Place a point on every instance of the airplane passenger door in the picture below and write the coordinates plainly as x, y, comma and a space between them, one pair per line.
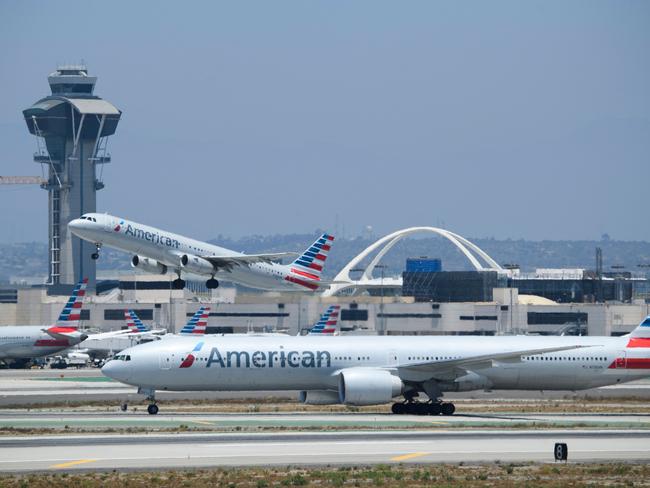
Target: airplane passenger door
109, 224
621, 360
166, 359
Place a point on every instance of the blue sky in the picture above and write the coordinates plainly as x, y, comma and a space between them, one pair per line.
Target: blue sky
506, 119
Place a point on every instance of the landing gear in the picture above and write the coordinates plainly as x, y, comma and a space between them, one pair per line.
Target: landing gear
448, 408
95, 255
151, 396
211, 284
178, 284
422, 408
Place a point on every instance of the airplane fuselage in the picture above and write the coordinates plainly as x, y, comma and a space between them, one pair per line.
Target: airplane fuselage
29, 341
307, 363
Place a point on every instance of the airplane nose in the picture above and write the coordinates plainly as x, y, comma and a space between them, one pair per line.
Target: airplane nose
76, 224
115, 370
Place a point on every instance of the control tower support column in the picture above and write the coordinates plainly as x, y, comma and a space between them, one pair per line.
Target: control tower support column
72, 127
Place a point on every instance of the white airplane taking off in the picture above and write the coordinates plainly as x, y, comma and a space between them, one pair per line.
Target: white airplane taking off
362, 370
158, 251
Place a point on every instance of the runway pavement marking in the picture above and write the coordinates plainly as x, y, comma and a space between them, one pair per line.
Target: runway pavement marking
404, 457
73, 463
440, 423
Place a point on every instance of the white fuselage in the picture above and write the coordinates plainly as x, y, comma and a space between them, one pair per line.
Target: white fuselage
168, 248
29, 341
314, 363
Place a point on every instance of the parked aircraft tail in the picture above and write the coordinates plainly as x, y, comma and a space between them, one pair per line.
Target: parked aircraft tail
134, 323
71, 313
328, 323
198, 323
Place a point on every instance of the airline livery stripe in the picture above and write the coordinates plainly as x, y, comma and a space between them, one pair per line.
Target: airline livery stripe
639, 342
305, 274
297, 281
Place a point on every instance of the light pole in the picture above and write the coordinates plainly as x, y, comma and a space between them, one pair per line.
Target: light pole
382, 329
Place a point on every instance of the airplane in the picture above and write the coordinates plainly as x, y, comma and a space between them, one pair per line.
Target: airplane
328, 323
23, 342
159, 251
372, 370
135, 325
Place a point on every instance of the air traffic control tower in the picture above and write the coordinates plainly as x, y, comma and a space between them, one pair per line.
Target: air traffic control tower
72, 127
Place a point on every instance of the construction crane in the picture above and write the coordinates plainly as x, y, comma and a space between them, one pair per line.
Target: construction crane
22, 180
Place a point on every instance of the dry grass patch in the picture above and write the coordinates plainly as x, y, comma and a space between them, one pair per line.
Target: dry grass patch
411, 476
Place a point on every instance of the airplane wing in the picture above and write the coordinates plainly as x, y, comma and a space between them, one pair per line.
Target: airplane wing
106, 335
453, 368
229, 262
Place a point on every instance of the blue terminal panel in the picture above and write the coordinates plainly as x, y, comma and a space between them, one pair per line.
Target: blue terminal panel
423, 265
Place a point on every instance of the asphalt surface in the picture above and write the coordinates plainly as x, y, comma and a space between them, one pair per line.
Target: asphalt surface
105, 452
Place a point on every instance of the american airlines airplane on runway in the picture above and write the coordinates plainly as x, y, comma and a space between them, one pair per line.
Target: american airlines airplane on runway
24, 342
363, 370
158, 251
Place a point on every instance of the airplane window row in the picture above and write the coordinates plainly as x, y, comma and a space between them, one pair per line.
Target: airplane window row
563, 358
431, 358
92, 219
122, 357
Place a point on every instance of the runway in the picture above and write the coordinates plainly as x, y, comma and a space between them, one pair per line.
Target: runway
97, 420
158, 451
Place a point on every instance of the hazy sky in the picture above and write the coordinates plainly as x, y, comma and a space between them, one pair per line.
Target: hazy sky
503, 118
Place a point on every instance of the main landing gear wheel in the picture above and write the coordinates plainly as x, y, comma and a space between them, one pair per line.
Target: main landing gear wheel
421, 408
178, 284
448, 408
211, 284
398, 408
152, 409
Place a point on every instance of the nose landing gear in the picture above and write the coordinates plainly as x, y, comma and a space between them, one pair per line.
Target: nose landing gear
151, 396
95, 255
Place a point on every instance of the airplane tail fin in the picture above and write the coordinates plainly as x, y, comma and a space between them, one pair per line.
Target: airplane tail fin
309, 266
71, 313
643, 329
133, 322
198, 323
328, 323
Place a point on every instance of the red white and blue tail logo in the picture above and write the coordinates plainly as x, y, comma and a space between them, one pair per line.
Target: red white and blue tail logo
134, 323
198, 323
71, 313
327, 325
307, 269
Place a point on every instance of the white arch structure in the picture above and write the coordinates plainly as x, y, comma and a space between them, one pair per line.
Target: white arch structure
343, 280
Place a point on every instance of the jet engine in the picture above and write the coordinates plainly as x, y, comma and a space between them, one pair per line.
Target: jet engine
368, 386
469, 382
196, 265
149, 265
319, 397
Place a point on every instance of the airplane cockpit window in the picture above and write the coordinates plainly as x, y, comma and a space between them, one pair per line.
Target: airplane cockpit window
122, 357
